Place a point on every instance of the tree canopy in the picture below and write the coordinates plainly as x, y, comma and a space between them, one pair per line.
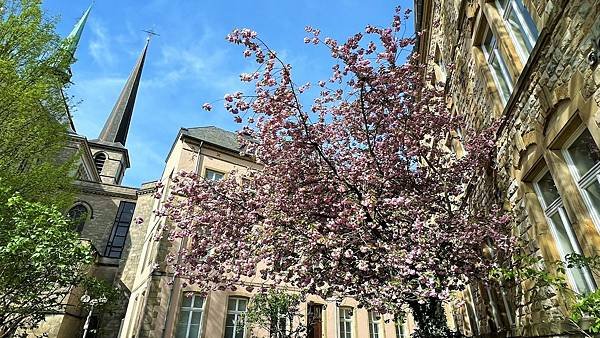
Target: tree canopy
359, 196
40, 259
33, 72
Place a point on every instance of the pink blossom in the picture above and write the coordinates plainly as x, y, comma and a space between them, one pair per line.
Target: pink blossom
355, 191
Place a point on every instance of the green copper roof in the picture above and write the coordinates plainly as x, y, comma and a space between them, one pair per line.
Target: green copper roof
75, 35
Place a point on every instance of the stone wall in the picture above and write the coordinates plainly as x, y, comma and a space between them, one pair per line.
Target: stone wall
556, 73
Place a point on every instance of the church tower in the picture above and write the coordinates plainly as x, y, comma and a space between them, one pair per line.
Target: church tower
110, 154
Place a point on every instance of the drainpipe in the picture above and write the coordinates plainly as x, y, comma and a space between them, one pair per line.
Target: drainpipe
181, 244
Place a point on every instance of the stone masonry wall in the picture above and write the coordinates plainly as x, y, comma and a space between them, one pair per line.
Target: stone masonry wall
557, 64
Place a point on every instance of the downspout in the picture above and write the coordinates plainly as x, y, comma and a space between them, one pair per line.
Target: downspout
181, 244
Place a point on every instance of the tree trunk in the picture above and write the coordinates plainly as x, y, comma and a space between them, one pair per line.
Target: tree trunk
431, 320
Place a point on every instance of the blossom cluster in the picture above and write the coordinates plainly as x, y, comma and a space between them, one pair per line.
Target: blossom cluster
359, 194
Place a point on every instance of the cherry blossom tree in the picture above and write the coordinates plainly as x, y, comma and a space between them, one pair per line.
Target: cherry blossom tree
359, 194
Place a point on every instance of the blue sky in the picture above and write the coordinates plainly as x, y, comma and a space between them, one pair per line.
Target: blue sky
190, 62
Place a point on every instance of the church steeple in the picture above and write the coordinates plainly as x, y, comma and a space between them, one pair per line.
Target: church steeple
70, 45
75, 35
117, 126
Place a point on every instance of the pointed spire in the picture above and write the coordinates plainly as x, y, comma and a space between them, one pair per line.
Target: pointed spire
116, 127
75, 35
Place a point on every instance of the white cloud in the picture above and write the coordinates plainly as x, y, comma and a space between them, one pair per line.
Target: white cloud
100, 45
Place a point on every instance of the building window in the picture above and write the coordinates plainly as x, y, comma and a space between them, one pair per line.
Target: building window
439, 68
114, 247
346, 322
562, 230
521, 27
119, 174
583, 157
400, 330
78, 215
279, 326
314, 320
99, 160
497, 65
212, 175
190, 317
81, 174
235, 323
375, 325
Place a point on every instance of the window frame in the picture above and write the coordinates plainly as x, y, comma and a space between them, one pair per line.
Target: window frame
113, 233
490, 57
586, 180
399, 328
82, 218
343, 309
550, 210
215, 172
375, 327
512, 6
281, 324
191, 310
236, 313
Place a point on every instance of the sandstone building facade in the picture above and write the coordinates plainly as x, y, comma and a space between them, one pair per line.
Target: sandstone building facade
531, 67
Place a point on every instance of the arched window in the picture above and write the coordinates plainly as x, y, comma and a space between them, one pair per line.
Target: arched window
78, 214
99, 160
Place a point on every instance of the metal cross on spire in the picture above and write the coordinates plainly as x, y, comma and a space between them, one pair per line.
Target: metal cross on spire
150, 33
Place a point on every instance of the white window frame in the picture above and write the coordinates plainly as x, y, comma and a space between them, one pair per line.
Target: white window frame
208, 172
490, 56
531, 36
343, 309
286, 322
557, 206
583, 182
237, 314
399, 326
375, 327
191, 310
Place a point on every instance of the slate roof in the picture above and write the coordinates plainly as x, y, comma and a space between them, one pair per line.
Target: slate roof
216, 136
117, 126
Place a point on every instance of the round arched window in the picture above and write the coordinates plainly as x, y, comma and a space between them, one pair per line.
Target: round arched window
78, 214
99, 160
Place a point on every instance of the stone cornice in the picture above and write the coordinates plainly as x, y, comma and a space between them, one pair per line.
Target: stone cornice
147, 188
107, 189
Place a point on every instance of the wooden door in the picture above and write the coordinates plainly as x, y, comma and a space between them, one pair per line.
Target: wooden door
315, 321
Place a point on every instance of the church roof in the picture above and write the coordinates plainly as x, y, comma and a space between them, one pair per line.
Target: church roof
216, 136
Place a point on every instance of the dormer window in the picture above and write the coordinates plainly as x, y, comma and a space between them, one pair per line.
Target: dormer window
99, 160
